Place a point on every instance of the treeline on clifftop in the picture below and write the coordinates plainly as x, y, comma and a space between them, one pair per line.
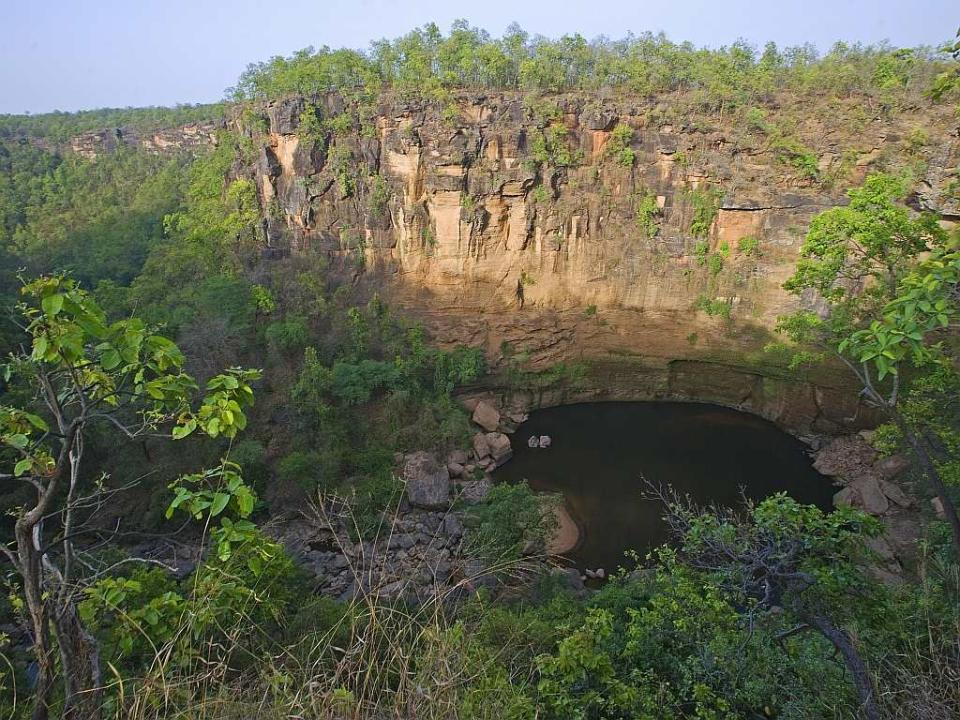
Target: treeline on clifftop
425, 61
58, 127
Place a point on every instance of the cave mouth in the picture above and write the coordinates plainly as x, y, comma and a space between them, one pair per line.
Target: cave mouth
601, 453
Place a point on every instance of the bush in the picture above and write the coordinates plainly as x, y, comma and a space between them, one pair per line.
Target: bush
511, 518
618, 146
715, 307
706, 205
794, 153
303, 467
249, 455
715, 263
748, 245
700, 252
648, 215
288, 337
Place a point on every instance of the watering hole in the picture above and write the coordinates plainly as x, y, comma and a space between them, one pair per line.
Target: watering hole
602, 453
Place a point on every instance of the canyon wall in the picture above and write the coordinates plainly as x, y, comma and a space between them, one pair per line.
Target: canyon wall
544, 228
191, 138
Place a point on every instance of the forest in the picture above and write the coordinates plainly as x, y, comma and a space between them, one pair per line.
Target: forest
172, 393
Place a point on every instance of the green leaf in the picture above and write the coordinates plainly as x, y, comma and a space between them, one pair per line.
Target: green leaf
23, 466
52, 304
19, 441
220, 501
110, 359
38, 422
181, 431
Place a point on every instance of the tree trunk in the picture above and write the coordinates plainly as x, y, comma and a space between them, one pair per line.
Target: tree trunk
80, 662
38, 612
81, 666
851, 658
933, 476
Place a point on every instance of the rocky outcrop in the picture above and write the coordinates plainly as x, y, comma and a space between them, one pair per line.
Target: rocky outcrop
870, 483
563, 252
191, 138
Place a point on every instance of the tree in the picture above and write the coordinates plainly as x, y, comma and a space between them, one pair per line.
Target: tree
781, 554
883, 305
79, 372
949, 79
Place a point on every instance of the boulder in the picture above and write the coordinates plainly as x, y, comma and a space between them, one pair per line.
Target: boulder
872, 499
895, 494
486, 416
848, 497
402, 542
545, 441
533, 441
455, 469
938, 510
475, 491
458, 457
500, 448
428, 481
849, 458
480, 446
891, 467
452, 526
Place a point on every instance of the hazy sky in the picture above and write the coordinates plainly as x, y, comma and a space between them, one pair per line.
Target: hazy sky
76, 54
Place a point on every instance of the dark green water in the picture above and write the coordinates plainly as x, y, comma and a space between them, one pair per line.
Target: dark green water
602, 451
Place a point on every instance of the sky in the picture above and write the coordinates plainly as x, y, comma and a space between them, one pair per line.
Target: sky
81, 54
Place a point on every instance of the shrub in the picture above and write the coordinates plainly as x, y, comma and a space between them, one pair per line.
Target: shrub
340, 124
250, 456
302, 467
648, 215
748, 245
794, 153
511, 518
379, 197
618, 146
289, 336
700, 252
756, 119
715, 263
714, 306
706, 205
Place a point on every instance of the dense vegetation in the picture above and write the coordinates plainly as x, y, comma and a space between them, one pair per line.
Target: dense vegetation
425, 61
143, 294
58, 127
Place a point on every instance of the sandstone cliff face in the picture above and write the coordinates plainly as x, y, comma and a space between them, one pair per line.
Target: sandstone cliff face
186, 138
457, 210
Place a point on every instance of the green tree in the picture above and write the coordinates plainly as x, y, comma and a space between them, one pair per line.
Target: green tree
79, 373
885, 305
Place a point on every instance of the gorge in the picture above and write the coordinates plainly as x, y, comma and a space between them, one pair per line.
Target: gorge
488, 378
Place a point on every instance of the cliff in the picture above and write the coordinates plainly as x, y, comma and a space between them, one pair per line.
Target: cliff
193, 137
650, 241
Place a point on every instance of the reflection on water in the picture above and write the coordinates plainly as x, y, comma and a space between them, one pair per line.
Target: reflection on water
602, 451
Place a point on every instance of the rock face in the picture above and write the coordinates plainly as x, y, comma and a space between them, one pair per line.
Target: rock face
454, 217
428, 481
192, 138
